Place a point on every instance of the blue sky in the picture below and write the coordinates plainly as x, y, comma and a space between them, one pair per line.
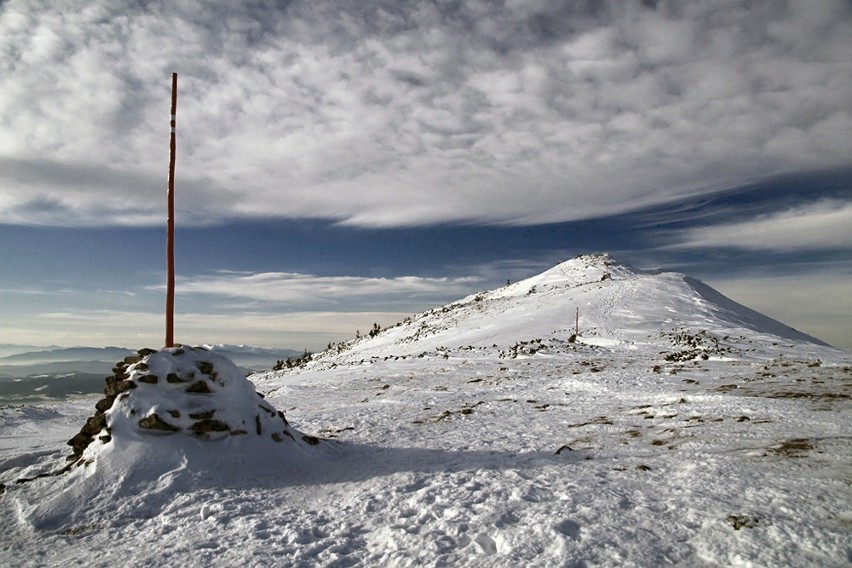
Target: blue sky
350, 162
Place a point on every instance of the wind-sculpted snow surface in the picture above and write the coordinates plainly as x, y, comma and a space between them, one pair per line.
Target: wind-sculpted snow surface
682, 438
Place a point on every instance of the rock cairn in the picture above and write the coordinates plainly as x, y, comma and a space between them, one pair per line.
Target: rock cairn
181, 391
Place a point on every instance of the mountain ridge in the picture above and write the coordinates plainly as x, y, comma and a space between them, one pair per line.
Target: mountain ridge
616, 304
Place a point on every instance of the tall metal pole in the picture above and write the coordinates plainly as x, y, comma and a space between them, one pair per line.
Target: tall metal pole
170, 285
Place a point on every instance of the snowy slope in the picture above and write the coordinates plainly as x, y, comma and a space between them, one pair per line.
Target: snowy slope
618, 306
680, 428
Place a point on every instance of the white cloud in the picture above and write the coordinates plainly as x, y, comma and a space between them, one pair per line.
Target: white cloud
388, 113
306, 291
295, 330
823, 225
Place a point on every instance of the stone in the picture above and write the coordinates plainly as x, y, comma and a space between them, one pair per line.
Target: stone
199, 387
94, 425
150, 379
118, 387
131, 359
202, 415
154, 422
173, 378
204, 426
205, 367
79, 442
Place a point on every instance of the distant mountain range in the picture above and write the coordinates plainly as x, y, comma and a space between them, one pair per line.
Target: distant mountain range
31, 374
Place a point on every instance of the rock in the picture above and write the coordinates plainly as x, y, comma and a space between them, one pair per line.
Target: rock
173, 378
79, 442
118, 387
205, 426
154, 422
202, 415
150, 379
94, 425
199, 387
205, 367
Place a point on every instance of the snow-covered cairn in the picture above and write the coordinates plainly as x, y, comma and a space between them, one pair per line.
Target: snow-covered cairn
181, 391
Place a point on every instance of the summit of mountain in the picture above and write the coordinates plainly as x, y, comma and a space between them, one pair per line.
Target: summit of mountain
592, 299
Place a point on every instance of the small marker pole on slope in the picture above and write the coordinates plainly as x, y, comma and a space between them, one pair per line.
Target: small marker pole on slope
577, 323
170, 244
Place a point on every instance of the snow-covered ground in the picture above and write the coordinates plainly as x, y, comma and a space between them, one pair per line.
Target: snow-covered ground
678, 428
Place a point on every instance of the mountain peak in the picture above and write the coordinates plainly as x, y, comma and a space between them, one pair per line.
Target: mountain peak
612, 304
583, 269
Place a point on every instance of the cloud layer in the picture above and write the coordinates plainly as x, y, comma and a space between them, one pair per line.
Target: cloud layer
343, 293
824, 225
391, 114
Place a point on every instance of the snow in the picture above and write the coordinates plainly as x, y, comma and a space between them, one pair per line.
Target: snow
679, 428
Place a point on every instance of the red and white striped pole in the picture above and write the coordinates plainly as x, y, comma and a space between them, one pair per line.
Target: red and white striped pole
170, 244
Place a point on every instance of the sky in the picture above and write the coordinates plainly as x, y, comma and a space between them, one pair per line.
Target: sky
350, 162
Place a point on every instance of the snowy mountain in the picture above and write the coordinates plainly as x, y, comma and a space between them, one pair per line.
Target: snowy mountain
677, 428
612, 304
